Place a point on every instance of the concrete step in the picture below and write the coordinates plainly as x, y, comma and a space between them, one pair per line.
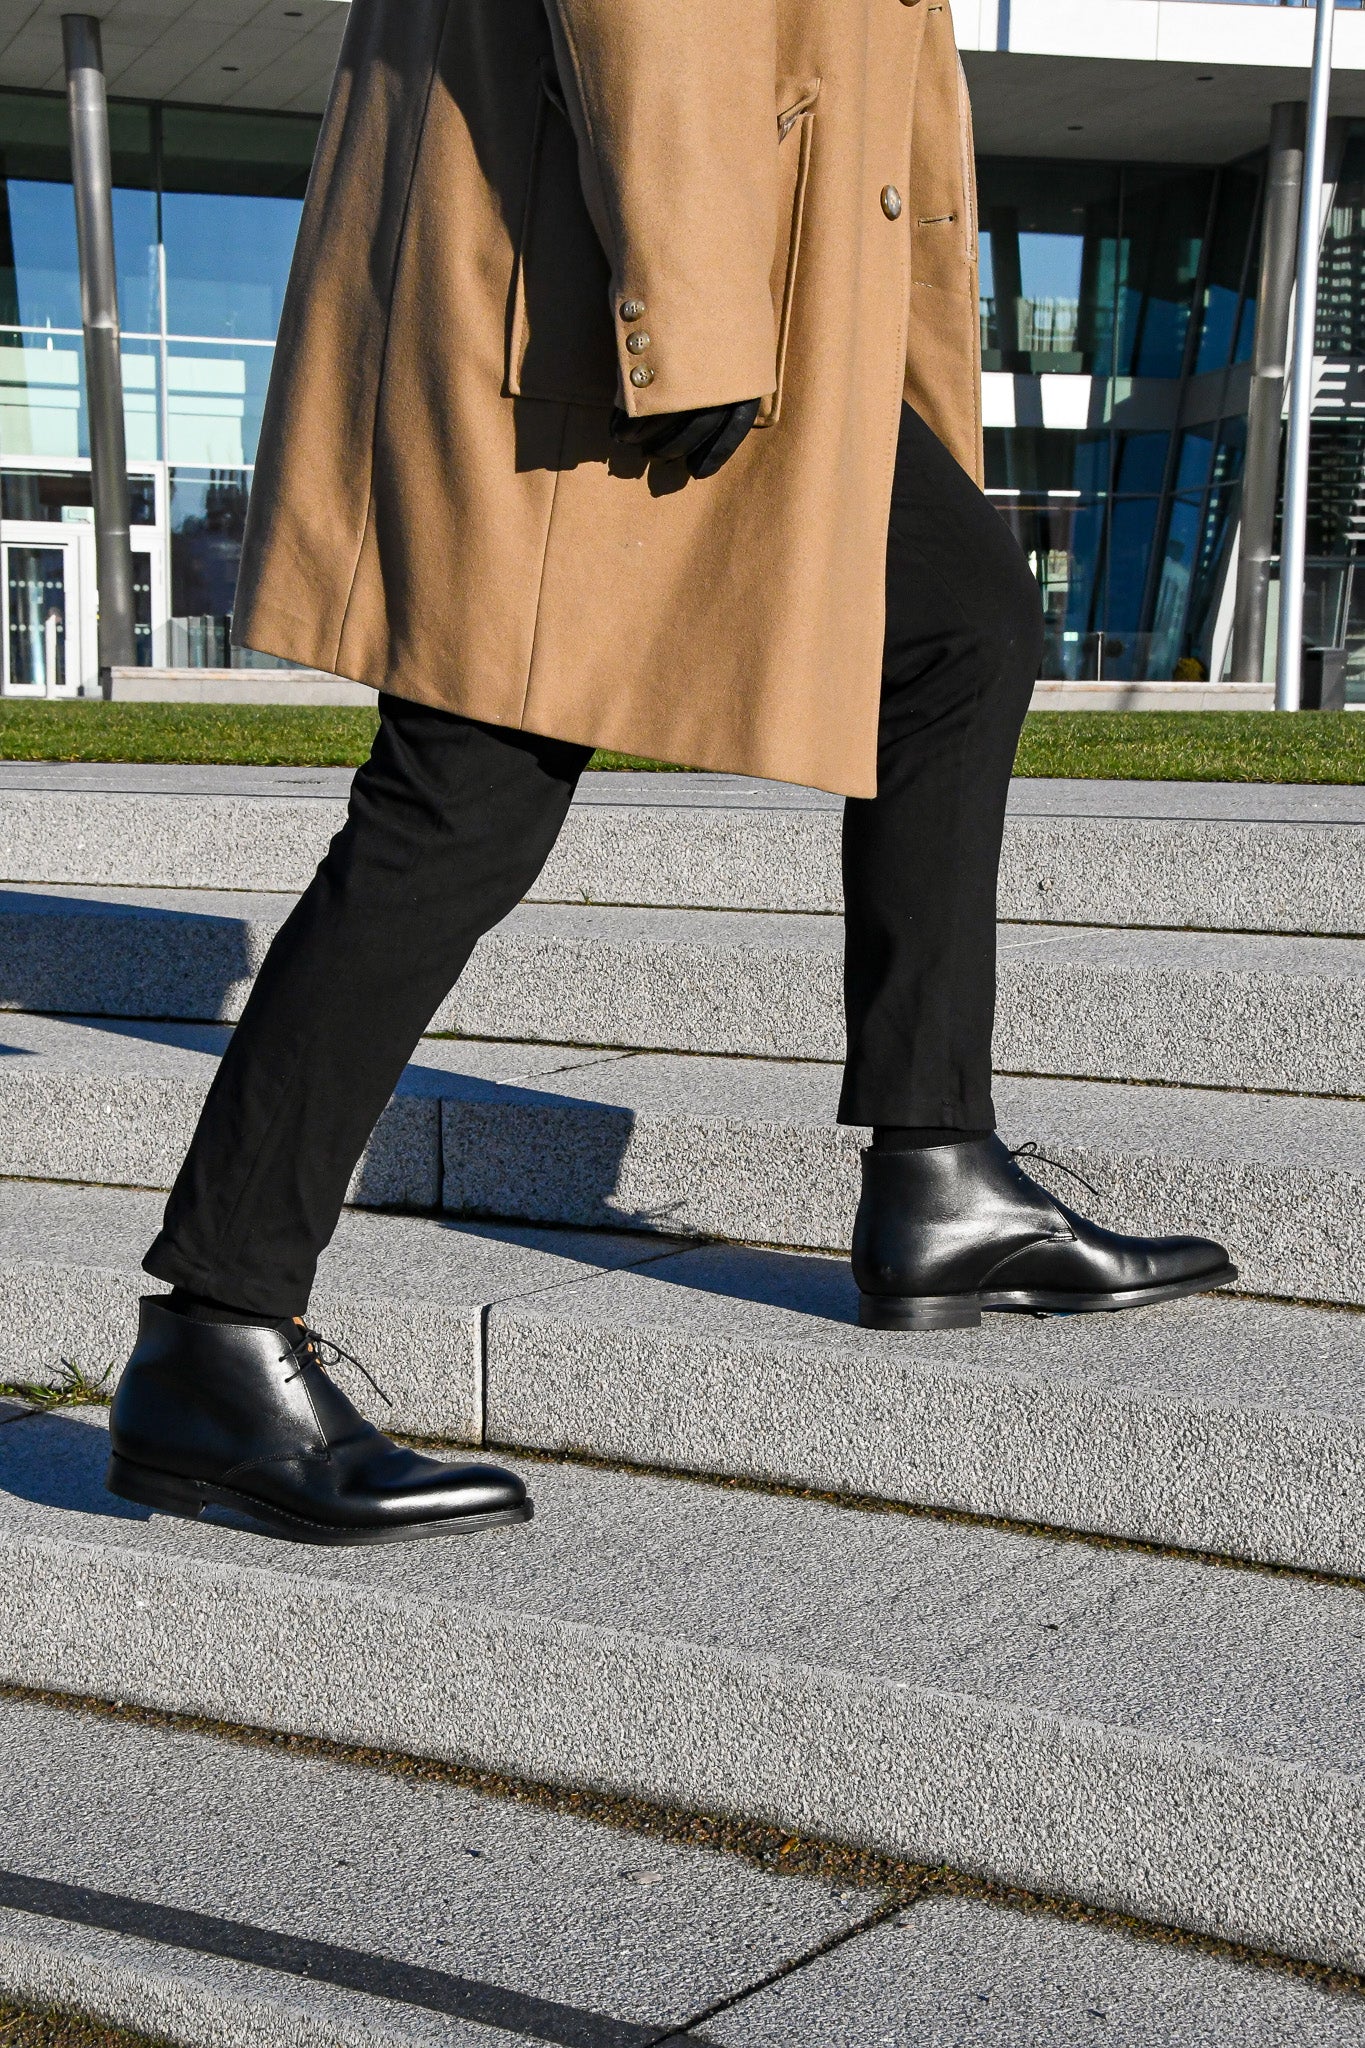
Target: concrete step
1216, 856
411, 1294
749, 1149
1137, 1731
739, 1149
1209, 1009
1217, 1425
357, 1905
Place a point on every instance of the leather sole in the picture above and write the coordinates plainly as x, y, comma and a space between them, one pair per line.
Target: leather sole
171, 1495
964, 1311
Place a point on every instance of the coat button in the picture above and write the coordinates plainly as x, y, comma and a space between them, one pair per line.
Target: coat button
891, 202
640, 376
637, 343
633, 309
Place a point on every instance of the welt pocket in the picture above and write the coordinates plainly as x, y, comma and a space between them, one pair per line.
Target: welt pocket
795, 138
561, 345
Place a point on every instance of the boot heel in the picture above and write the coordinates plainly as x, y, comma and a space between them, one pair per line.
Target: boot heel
160, 1490
918, 1312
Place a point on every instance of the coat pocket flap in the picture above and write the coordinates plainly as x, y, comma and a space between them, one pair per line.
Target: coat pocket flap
793, 101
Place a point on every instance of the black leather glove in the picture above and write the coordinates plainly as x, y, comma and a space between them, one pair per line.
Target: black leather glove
704, 440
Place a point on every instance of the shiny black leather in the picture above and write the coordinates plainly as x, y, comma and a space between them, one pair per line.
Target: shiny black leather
236, 1415
949, 1231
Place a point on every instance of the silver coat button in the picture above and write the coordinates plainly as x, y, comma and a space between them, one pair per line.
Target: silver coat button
633, 309
637, 343
640, 376
891, 202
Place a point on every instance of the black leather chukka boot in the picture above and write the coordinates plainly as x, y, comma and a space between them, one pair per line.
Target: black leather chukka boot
238, 1415
945, 1233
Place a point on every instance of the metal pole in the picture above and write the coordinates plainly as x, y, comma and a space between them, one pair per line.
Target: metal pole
92, 181
1261, 483
1289, 666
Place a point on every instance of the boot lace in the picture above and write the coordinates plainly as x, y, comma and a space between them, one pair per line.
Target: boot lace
1030, 1151
309, 1348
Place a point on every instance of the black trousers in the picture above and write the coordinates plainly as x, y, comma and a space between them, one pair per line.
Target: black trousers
450, 823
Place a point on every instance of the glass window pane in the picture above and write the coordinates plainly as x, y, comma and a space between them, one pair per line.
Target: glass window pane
1163, 228
1141, 463
207, 514
36, 594
1046, 459
1173, 589
39, 279
214, 399
65, 496
1048, 241
42, 397
1196, 455
1131, 526
1233, 222
234, 186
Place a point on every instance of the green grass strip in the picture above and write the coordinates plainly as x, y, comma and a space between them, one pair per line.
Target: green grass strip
1157, 746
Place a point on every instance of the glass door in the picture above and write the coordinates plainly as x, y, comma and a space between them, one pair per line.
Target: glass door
41, 628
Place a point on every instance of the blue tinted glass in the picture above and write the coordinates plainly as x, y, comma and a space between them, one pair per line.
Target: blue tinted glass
1130, 543
1192, 467
1220, 318
1142, 462
42, 284
208, 509
135, 253
227, 262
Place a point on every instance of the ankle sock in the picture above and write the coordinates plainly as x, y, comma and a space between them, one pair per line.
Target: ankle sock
919, 1137
200, 1308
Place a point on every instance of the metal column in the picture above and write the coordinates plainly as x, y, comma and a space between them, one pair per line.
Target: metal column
1274, 297
1294, 537
92, 180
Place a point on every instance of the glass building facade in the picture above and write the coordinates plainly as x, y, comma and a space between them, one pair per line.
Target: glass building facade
1117, 324
206, 208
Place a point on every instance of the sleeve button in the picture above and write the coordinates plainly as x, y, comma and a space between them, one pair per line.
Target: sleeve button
637, 343
633, 309
640, 376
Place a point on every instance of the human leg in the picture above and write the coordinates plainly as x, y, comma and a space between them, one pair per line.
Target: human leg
448, 825
949, 1223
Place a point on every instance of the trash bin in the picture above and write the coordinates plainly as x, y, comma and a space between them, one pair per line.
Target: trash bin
1324, 679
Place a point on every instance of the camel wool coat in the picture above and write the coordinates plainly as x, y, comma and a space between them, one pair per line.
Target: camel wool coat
524, 212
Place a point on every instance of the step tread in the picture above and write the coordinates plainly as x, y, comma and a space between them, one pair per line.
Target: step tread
550, 1923
1253, 1667
1215, 1425
406, 1294
1220, 856
951, 1972
710, 932
485, 1907
1142, 1731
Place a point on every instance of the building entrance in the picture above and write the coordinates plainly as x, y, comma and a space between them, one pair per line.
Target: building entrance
45, 611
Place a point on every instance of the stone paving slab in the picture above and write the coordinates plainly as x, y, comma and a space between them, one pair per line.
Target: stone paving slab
1205, 1008
956, 1973
116, 1101
1230, 1426
1220, 1010
749, 1149
1213, 1009
742, 1149
1218, 856
1136, 1731
562, 1930
1217, 1425
406, 1295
